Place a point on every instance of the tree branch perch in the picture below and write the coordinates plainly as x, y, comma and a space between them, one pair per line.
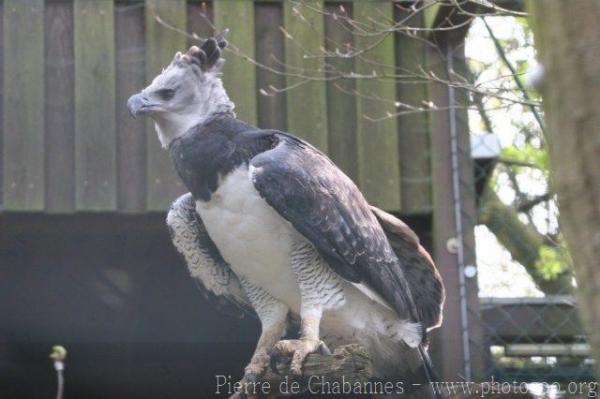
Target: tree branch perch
350, 363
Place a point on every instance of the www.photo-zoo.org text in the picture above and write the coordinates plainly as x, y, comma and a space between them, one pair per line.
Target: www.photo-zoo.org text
319, 385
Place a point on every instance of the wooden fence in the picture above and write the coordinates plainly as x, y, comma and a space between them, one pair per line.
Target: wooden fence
67, 68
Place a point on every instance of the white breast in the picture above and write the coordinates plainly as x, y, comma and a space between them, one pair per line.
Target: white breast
251, 236
257, 242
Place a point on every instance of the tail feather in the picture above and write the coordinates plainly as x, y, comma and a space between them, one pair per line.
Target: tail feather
418, 374
430, 374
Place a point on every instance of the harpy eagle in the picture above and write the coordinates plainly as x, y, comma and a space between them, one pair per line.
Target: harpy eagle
273, 225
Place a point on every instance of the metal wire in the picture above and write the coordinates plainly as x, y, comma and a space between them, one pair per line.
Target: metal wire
457, 203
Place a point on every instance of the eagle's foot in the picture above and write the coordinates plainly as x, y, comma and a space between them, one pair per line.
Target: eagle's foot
297, 350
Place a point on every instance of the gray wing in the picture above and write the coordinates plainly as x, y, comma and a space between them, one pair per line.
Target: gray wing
206, 265
426, 283
325, 206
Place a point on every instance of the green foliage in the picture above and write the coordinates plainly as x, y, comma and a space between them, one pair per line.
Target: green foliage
552, 261
527, 153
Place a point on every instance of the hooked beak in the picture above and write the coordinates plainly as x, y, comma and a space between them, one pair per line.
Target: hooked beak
138, 104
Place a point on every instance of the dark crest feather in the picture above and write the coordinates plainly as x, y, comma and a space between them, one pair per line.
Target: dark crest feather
199, 58
213, 52
207, 56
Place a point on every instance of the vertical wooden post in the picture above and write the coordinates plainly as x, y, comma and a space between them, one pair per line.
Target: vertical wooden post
451, 354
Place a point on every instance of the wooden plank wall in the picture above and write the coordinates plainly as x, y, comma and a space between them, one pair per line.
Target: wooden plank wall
60, 127
67, 68
241, 75
23, 110
341, 104
380, 179
95, 124
161, 45
131, 134
305, 33
413, 129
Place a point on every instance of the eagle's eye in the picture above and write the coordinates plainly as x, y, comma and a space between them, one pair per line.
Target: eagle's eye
166, 94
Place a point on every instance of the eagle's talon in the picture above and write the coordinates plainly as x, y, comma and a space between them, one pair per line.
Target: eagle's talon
277, 356
324, 349
297, 350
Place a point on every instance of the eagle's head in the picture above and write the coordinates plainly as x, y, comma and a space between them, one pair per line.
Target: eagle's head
186, 93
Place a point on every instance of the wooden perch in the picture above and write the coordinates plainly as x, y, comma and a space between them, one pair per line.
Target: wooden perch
348, 363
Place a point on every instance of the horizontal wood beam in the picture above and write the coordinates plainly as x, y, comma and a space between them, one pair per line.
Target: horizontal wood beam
576, 349
109, 224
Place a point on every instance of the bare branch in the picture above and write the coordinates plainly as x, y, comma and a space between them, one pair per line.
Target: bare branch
380, 31
512, 70
527, 205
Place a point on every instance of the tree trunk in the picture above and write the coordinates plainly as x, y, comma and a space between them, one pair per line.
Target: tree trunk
566, 36
521, 240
